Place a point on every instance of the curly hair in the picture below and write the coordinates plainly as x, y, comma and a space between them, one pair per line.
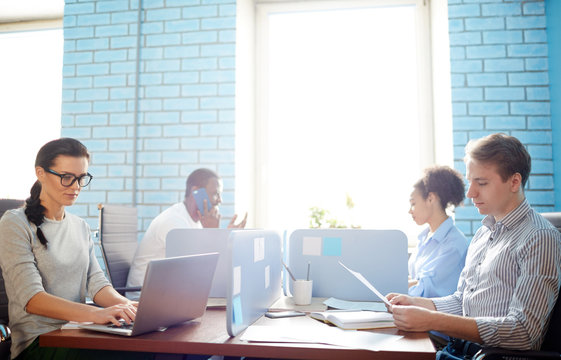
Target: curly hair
445, 182
46, 156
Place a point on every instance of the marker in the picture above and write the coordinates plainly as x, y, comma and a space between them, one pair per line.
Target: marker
289, 272
308, 275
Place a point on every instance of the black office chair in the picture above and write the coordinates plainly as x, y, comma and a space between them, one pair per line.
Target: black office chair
551, 347
118, 239
554, 218
5, 334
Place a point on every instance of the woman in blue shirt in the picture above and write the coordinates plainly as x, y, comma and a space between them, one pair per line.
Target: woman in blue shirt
441, 251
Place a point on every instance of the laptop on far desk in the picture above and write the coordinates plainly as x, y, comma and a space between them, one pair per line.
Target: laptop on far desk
175, 290
181, 242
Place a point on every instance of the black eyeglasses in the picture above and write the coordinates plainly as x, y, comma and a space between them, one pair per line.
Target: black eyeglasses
68, 180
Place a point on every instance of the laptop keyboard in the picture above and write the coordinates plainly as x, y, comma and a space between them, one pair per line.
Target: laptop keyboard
122, 326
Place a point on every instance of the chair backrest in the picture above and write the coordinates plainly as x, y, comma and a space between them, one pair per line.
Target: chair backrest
554, 218
552, 341
6, 204
118, 238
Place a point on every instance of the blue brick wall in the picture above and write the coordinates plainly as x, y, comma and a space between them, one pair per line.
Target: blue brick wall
500, 83
553, 33
186, 94
186, 86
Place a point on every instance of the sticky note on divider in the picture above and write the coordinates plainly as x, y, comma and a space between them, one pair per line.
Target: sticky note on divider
237, 283
237, 310
267, 276
332, 246
258, 249
311, 245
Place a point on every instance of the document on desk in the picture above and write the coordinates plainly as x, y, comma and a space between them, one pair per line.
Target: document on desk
367, 284
287, 303
216, 303
327, 335
71, 325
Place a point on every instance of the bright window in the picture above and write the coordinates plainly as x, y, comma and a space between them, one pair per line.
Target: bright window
30, 93
343, 108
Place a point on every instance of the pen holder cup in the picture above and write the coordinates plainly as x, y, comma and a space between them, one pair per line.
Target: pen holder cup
302, 292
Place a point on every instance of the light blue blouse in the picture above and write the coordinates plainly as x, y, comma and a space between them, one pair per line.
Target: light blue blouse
439, 261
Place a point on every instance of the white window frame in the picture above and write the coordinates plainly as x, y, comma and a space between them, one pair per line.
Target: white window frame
251, 96
30, 16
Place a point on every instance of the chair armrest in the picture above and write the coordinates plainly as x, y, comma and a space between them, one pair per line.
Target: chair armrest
122, 290
499, 353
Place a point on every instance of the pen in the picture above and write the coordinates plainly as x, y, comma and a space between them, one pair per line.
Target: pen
308, 276
289, 272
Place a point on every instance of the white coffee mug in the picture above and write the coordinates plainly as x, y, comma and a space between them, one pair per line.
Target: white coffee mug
302, 292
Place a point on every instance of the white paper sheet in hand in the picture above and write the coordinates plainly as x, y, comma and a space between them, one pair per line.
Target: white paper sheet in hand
367, 284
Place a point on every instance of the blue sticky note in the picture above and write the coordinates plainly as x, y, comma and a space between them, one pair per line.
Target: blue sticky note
332, 246
237, 310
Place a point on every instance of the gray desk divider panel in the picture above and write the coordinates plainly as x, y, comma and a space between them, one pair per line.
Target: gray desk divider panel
255, 277
380, 255
181, 242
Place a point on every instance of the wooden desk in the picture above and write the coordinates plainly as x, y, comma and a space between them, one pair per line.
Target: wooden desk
208, 336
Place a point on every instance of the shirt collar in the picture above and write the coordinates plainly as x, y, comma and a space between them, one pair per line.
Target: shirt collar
512, 219
440, 233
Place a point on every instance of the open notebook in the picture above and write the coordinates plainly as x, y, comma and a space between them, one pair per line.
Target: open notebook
355, 320
175, 290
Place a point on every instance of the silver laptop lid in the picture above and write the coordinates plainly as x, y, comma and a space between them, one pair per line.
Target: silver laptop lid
180, 242
175, 290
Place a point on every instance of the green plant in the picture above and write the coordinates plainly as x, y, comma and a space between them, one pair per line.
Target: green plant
350, 202
334, 223
319, 217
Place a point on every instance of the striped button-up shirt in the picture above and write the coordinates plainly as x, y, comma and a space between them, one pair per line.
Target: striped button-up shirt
511, 280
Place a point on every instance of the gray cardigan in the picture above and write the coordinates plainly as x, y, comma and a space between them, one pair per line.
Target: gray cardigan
67, 268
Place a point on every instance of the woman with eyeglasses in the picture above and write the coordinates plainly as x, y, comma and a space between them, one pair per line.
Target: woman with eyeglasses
48, 260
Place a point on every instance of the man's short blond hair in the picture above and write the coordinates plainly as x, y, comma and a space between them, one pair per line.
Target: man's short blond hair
504, 151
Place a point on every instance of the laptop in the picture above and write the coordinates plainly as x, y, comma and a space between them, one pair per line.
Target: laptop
181, 242
175, 290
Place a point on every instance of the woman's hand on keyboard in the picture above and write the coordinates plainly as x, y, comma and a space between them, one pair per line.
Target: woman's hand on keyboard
112, 314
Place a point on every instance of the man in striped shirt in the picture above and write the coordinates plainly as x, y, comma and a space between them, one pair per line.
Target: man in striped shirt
510, 282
